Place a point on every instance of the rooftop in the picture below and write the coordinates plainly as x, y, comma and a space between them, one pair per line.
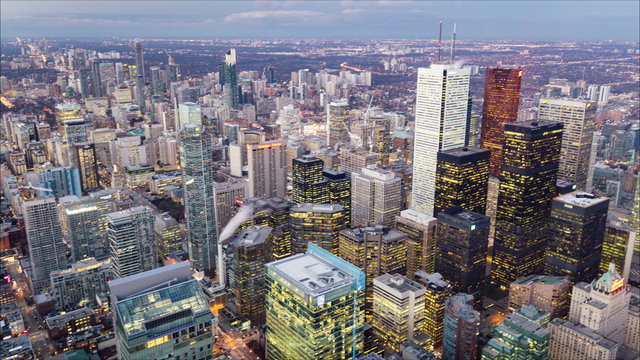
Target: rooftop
317, 208
362, 233
585, 331
541, 279
63, 319
252, 236
399, 284
119, 215
581, 199
416, 216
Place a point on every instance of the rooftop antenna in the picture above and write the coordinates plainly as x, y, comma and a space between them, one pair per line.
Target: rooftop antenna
439, 41
453, 44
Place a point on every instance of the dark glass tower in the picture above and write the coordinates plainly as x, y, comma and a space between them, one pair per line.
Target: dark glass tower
462, 177
461, 249
308, 183
527, 186
576, 233
140, 60
230, 82
501, 98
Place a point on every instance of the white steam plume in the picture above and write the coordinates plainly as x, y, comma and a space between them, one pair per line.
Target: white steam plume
244, 213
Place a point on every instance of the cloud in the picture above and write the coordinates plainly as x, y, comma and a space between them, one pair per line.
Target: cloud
275, 15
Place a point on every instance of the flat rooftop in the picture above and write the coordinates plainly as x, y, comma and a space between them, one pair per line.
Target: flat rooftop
252, 236
318, 208
311, 274
541, 279
581, 199
399, 283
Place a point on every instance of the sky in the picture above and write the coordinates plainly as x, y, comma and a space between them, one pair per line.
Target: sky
264, 19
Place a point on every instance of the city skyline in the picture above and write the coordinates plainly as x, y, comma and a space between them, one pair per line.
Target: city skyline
477, 20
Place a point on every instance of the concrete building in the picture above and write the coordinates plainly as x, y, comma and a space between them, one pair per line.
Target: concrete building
437, 291
548, 293
376, 197
398, 311
421, 231
573, 341
160, 312
78, 285
132, 241
228, 195
267, 162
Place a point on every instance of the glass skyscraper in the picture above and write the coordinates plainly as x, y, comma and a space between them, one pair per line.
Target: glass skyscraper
132, 242
199, 201
316, 223
527, 186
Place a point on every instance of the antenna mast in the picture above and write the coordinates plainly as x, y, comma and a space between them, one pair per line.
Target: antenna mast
453, 44
439, 41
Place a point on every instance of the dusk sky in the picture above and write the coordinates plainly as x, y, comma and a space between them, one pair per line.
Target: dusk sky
526, 20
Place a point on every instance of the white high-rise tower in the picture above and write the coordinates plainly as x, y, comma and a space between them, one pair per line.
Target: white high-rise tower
441, 124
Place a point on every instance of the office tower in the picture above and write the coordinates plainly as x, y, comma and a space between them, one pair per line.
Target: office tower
84, 224
267, 169
578, 117
339, 185
230, 76
398, 311
308, 185
461, 328
442, 101
141, 93
522, 335
132, 241
548, 293
493, 188
78, 285
63, 181
602, 306
75, 131
375, 197
574, 341
190, 113
47, 251
462, 177
250, 253
96, 82
88, 166
501, 99
603, 96
169, 236
576, 233
421, 245
461, 249
199, 202
228, 195
317, 291
377, 250
353, 160
337, 123
527, 186
161, 312
437, 291
157, 80
316, 223
618, 245
140, 60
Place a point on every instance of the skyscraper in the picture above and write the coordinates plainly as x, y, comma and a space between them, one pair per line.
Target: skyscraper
398, 311
230, 84
618, 245
88, 166
375, 197
316, 223
132, 241
462, 176
527, 186
461, 328
339, 185
441, 124
161, 312
461, 249
578, 117
197, 178
338, 123
377, 250
140, 60
267, 169
169, 235
44, 237
228, 195
522, 335
437, 291
84, 224
308, 185
317, 291
250, 253
501, 99
421, 244
576, 233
